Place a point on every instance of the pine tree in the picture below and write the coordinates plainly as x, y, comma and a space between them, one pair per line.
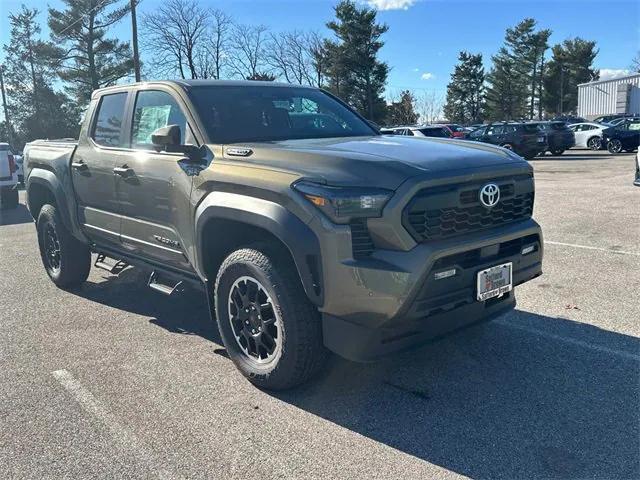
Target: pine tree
353, 69
36, 109
88, 60
506, 97
515, 79
402, 112
465, 92
570, 65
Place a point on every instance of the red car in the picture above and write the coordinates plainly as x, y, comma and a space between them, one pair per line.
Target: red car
456, 130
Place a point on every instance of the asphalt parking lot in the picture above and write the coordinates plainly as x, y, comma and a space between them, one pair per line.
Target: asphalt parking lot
114, 380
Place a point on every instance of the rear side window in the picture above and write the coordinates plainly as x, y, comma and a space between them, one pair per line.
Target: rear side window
108, 127
155, 109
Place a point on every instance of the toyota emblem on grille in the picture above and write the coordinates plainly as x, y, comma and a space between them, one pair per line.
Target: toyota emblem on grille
490, 195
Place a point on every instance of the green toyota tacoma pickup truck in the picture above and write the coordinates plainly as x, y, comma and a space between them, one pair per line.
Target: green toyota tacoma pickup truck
310, 231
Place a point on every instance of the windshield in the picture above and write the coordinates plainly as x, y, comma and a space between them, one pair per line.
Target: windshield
233, 114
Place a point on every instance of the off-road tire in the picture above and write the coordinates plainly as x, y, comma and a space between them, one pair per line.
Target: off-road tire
74, 261
9, 198
302, 352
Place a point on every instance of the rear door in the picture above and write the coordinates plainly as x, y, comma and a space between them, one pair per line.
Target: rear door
100, 147
152, 188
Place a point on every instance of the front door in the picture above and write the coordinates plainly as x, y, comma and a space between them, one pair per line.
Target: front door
152, 188
92, 169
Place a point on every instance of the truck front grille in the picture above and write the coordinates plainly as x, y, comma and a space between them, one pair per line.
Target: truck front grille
444, 212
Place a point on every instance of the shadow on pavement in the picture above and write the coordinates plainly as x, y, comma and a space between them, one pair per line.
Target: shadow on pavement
526, 396
18, 215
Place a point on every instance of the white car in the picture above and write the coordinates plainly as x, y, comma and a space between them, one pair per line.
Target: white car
589, 134
8, 178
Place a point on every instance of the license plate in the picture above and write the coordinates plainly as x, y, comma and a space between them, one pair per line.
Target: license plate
495, 281
540, 139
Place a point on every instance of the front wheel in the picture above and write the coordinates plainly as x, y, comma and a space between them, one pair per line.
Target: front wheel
66, 260
271, 331
594, 143
614, 146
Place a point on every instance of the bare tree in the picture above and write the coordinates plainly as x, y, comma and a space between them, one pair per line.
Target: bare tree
177, 34
430, 106
218, 45
318, 56
248, 51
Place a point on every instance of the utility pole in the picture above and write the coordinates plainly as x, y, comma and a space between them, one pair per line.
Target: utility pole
561, 89
134, 40
7, 122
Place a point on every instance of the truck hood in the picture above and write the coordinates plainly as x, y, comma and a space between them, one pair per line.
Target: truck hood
383, 161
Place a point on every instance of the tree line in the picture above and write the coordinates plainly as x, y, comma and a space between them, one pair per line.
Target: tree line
522, 83
48, 81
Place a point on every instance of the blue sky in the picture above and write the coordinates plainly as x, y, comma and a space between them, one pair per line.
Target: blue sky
425, 36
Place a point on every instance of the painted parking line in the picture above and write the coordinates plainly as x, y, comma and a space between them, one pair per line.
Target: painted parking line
125, 439
587, 247
572, 341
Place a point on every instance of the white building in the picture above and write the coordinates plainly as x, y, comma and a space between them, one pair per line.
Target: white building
606, 97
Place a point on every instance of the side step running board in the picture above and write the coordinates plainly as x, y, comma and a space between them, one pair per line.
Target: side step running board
115, 269
158, 286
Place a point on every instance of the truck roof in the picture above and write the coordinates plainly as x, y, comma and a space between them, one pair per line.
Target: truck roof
187, 83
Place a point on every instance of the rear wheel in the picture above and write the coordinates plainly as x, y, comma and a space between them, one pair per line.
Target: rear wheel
66, 260
594, 143
508, 146
8, 198
272, 332
614, 146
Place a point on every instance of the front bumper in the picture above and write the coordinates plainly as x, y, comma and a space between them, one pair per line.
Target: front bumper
392, 301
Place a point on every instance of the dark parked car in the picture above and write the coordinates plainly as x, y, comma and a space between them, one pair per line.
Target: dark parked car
523, 138
611, 118
559, 136
624, 136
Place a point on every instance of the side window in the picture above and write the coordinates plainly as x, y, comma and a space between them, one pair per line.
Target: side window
155, 109
477, 133
495, 130
107, 130
409, 132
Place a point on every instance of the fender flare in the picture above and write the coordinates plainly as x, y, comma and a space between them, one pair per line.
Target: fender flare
49, 180
299, 239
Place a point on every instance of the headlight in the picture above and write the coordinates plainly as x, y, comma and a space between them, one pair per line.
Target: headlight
341, 204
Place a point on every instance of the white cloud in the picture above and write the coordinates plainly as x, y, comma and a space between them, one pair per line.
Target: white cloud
391, 4
609, 73
427, 76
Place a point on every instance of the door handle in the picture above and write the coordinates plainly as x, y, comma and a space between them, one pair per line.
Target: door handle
123, 171
79, 165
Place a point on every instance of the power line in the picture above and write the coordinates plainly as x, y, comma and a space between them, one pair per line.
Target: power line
101, 4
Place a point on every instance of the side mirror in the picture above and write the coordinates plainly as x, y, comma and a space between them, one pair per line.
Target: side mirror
166, 137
